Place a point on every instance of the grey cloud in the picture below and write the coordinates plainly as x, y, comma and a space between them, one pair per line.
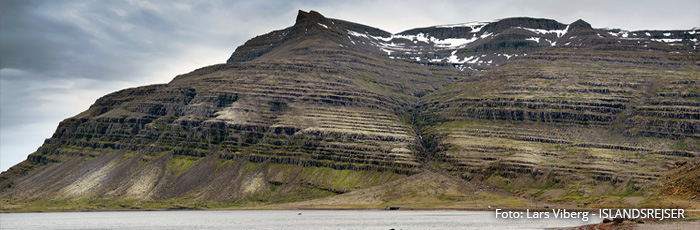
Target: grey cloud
29, 41
57, 57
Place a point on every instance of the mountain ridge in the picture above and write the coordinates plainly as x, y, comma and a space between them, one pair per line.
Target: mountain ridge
466, 46
524, 108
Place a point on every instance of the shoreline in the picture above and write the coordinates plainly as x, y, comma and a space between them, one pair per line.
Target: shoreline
400, 208
689, 222
296, 208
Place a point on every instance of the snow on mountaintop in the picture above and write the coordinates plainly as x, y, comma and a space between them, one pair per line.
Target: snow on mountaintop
459, 46
476, 26
559, 33
468, 24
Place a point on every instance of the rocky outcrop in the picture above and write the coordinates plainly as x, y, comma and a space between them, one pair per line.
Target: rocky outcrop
683, 180
589, 121
328, 107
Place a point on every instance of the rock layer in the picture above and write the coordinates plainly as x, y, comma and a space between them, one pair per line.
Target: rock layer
327, 107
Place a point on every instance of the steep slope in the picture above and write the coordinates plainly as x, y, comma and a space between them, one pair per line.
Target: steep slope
684, 179
427, 116
306, 118
603, 118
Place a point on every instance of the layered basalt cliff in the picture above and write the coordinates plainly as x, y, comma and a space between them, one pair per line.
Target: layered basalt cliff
582, 122
531, 107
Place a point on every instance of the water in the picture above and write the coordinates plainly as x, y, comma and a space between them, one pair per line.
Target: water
278, 219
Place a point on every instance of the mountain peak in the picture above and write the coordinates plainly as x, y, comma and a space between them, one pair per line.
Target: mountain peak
338, 111
524, 22
580, 25
310, 17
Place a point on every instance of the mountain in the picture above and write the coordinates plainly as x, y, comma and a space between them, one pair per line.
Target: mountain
330, 113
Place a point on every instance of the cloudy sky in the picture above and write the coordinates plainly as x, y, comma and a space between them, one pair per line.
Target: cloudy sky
58, 56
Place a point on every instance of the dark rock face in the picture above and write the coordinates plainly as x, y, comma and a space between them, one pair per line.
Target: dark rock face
327, 106
307, 25
532, 23
309, 18
580, 25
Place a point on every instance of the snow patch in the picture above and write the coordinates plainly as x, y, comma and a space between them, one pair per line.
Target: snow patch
365, 35
324, 26
468, 24
415, 38
533, 39
388, 52
622, 33
668, 40
453, 58
475, 26
541, 31
485, 35
388, 44
632, 38
353, 42
471, 60
454, 42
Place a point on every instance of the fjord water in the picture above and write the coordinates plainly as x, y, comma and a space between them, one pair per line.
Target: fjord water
278, 219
